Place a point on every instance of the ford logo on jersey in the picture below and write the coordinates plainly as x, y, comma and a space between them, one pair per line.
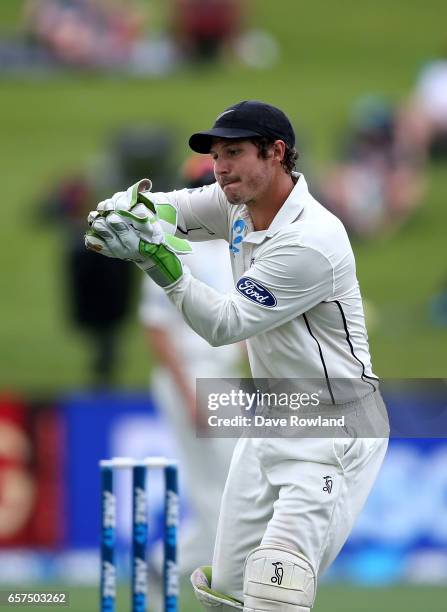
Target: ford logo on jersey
254, 291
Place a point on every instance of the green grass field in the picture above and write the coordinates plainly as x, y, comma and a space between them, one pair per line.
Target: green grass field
340, 598
331, 54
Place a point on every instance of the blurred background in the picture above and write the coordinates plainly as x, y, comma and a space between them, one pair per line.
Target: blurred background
95, 94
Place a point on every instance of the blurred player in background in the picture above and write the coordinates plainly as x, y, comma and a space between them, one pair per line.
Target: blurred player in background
422, 124
97, 296
182, 356
290, 502
99, 293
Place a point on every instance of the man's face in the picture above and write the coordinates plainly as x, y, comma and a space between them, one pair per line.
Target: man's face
242, 174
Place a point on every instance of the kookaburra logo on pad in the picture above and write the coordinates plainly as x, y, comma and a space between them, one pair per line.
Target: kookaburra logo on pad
279, 573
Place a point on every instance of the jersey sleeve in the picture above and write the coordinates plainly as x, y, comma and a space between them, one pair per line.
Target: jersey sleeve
284, 282
202, 213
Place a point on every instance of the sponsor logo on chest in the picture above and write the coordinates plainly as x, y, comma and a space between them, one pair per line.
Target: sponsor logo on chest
238, 230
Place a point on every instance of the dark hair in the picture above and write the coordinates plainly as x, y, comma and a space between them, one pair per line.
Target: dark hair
290, 155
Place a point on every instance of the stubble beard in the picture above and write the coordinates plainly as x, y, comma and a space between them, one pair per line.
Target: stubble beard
252, 187
235, 200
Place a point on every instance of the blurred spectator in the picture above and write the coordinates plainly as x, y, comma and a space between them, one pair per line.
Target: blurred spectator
204, 28
373, 187
422, 124
113, 35
182, 356
85, 33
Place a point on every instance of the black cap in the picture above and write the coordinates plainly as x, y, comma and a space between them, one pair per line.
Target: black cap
246, 119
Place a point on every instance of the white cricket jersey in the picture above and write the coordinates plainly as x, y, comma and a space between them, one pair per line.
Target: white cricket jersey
296, 298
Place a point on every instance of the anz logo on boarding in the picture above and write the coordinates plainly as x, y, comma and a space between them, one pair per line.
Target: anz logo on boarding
237, 235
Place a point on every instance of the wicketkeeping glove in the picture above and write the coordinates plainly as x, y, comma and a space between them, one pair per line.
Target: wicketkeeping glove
128, 227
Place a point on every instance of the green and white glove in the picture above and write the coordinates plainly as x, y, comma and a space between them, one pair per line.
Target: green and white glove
137, 200
130, 226
201, 583
126, 200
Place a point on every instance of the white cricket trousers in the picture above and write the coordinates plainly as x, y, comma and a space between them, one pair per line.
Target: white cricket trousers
301, 493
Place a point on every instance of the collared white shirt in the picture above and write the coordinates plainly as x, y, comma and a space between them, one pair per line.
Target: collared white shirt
296, 298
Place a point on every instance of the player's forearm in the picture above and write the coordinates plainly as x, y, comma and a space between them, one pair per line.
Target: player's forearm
160, 347
212, 315
269, 294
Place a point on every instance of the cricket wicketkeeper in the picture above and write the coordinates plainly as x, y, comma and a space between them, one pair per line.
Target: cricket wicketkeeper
289, 502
